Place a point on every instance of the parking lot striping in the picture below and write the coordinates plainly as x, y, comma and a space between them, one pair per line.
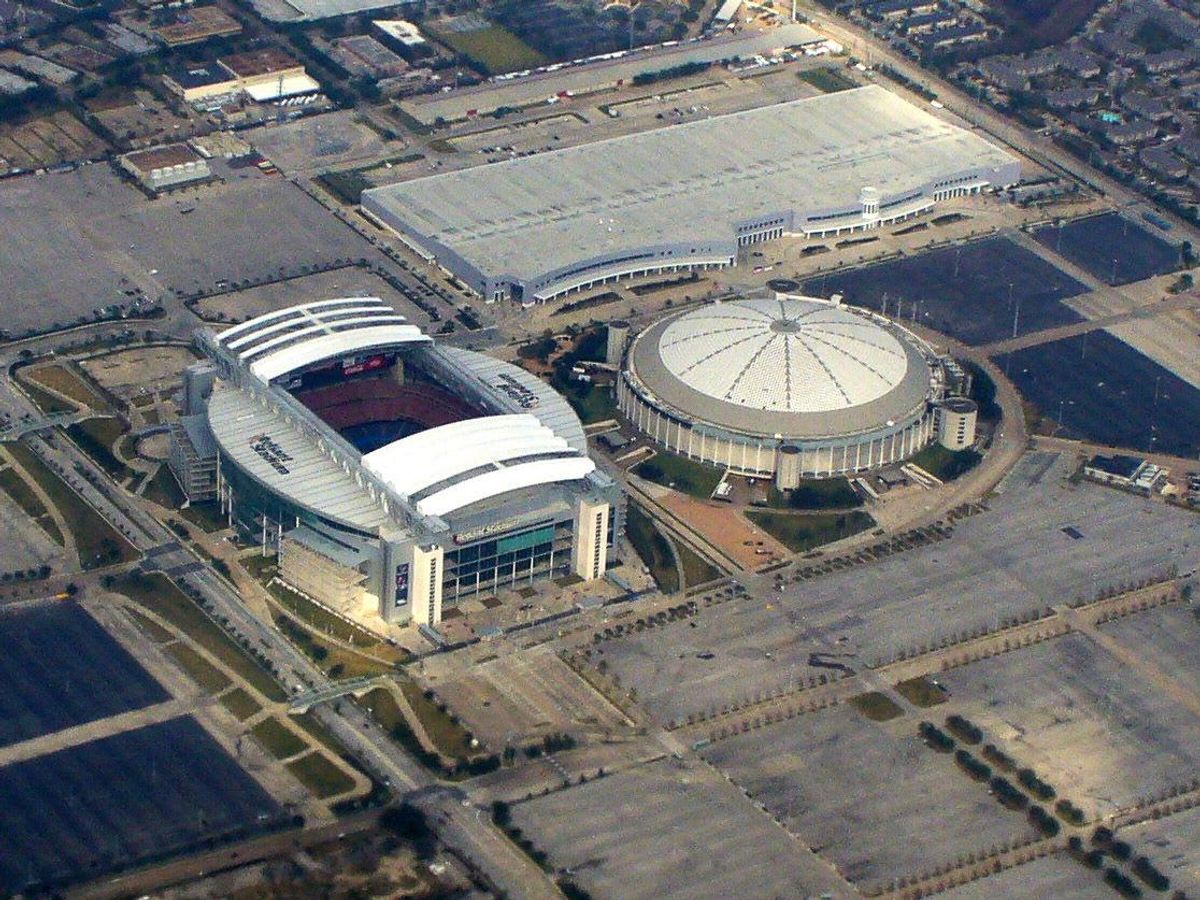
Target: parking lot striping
76, 735
802, 699
1190, 300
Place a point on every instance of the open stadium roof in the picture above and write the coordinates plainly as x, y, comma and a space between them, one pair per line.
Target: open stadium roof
462, 463
280, 342
685, 185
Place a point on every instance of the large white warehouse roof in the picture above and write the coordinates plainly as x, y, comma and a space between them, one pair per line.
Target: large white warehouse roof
688, 185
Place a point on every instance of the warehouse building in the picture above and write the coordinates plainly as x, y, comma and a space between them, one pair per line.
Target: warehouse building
391, 475
536, 228
166, 168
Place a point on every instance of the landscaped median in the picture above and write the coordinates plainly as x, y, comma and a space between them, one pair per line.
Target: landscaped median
97, 543
803, 531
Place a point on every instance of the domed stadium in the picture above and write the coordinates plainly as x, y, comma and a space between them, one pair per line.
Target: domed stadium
787, 385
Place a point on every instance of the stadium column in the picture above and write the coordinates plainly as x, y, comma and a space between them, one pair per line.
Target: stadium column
589, 556
426, 584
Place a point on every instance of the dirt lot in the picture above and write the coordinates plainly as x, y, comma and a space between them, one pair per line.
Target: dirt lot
155, 368
516, 698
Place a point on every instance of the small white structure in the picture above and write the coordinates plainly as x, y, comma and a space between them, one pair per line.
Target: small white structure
956, 423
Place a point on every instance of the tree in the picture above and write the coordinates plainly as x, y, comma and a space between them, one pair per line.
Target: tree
408, 823
501, 813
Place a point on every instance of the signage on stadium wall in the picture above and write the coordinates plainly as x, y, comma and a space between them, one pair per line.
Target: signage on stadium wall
466, 537
355, 366
402, 585
270, 451
514, 390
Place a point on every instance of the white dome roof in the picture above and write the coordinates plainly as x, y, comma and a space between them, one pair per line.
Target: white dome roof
785, 355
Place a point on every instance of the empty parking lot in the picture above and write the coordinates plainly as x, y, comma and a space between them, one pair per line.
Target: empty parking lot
60, 668
872, 799
670, 829
970, 291
1011, 559
138, 796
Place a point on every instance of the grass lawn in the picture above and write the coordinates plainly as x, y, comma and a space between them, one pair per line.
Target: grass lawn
595, 403
320, 776
497, 50
263, 568
696, 570
920, 691
241, 704
159, 594
204, 515
680, 473
163, 489
653, 548
45, 401
211, 679
320, 618
819, 493
828, 80
67, 383
447, 734
97, 542
277, 739
800, 532
96, 438
335, 662
876, 706
946, 464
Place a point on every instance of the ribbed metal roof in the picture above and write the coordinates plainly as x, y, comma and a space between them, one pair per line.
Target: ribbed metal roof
783, 355
797, 368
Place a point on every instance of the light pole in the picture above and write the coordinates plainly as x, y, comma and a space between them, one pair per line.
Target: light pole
1016, 316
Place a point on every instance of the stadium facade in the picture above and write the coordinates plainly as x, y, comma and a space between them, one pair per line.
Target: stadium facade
390, 474
688, 197
783, 386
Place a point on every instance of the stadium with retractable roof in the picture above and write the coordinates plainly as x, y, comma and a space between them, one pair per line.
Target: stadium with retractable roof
390, 474
785, 386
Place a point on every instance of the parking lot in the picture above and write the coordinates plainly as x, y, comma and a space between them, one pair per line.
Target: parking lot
249, 231
509, 700
970, 291
670, 829
1012, 559
1082, 720
872, 799
57, 261
1107, 392
60, 668
1056, 876
137, 796
350, 281
1173, 845
1111, 247
1170, 635
84, 240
